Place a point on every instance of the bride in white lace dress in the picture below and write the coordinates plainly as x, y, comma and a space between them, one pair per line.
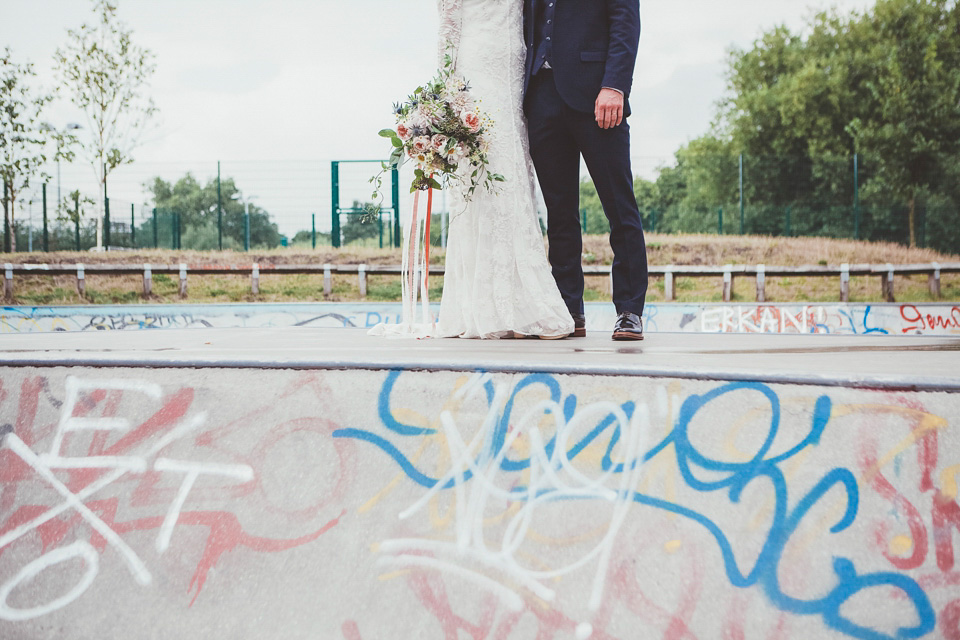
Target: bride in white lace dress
497, 280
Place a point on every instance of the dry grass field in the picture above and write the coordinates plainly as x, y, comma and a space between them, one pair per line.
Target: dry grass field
661, 250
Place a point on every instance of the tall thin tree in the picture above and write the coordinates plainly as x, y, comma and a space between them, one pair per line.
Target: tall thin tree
22, 136
107, 76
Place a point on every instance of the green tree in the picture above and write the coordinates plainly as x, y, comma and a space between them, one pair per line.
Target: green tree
646, 192
884, 84
196, 205
106, 75
914, 125
359, 227
23, 138
304, 238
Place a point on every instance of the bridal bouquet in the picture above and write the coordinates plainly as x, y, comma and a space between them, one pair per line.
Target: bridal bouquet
442, 131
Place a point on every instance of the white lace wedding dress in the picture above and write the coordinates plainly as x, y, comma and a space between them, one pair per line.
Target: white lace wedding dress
497, 279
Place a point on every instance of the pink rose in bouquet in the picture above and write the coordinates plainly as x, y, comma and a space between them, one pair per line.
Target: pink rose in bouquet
471, 121
441, 130
421, 143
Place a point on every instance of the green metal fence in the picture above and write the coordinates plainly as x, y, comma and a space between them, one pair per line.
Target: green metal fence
363, 219
831, 196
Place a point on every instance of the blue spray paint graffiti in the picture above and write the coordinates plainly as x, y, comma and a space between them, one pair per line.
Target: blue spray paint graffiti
729, 477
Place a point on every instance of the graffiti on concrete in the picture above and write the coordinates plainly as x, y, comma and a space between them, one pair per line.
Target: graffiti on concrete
90, 416
922, 320
848, 319
367, 504
576, 452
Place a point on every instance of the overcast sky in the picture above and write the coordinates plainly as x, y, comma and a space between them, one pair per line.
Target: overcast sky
313, 80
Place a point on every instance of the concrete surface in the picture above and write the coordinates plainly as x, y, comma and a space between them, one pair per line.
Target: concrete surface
822, 359
294, 484
833, 318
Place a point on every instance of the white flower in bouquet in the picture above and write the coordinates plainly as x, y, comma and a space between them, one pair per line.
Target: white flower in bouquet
462, 102
419, 119
439, 141
404, 131
454, 85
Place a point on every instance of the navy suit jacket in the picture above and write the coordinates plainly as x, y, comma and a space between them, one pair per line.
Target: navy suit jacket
595, 45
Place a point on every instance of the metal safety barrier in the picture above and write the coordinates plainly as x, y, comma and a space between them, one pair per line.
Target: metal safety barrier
670, 274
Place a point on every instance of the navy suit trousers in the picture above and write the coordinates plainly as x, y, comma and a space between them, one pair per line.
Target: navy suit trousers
559, 136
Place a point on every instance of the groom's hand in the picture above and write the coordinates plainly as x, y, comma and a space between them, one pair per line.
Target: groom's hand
609, 108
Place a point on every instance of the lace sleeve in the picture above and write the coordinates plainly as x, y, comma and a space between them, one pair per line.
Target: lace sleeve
451, 21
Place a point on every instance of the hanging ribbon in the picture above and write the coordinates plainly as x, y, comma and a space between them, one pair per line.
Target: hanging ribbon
416, 269
426, 238
409, 296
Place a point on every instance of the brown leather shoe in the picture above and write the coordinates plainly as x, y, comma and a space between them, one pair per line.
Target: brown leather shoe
579, 326
628, 327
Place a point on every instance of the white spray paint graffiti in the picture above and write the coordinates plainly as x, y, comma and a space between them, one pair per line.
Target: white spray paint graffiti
117, 467
552, 478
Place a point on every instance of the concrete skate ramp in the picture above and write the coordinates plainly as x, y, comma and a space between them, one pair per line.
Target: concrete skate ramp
360, 501
872, 319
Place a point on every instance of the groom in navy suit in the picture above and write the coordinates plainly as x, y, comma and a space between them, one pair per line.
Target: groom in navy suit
579, 70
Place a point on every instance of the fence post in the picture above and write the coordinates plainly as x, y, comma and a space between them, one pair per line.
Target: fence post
669, 286
787, 230
133, 227
246, 227
327, 280
653, 220
156, 231
255, 279
147, 280
81, 281
933, 281
219, 212
856, 196
922, 240
886, 284
183, 280
313, 223
8, 281
6, 219
583, 219
335, 203
362, 279
845, 282
720, 221
741, 194
761, 283
76, 222
106, 223
395, 177
46, 235
727, 282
